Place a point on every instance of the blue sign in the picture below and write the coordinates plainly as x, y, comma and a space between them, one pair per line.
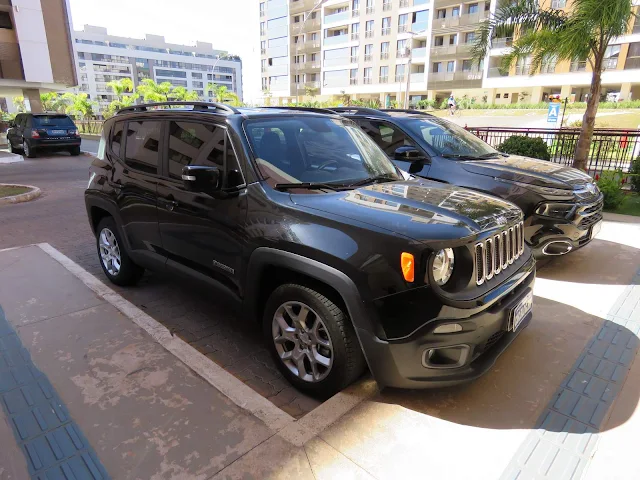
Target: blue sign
553, 113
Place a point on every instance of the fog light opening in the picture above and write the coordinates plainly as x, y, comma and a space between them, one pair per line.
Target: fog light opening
448, 328
445, 357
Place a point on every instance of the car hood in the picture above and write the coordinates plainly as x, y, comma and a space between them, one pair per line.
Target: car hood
419, 209
529, 170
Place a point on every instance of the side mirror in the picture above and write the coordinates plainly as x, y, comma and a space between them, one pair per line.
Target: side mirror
198, 178
408, 154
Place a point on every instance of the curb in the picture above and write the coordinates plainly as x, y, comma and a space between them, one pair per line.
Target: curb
23, 197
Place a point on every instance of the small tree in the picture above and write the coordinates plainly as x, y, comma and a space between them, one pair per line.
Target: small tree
542, 33
151, 91
181, 94
79, 105
222, 94
19, 103
52, 102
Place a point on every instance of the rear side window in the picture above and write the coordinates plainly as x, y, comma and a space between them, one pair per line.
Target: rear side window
116, 138
62, 121
143, 140
202, 144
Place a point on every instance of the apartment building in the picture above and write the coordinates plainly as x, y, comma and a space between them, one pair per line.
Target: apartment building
383, 48
101, 58
35, 51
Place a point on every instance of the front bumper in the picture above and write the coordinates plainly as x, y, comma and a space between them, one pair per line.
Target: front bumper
540, 231
401, 363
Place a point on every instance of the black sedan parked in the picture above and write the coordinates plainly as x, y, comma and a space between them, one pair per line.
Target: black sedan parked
562, 205
34, 132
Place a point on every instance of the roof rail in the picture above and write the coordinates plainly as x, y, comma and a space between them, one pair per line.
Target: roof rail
406, 110
196, 106
360, 110
305, 109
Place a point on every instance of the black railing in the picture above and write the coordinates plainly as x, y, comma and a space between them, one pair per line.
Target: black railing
610, 149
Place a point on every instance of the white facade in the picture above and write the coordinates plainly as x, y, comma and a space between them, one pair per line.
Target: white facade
101, 58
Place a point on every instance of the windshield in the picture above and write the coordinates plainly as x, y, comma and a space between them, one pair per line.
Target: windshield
315, 150
52, 121
447, 138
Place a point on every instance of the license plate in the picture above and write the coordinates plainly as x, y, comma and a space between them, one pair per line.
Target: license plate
521, 311
58, 132
596, 229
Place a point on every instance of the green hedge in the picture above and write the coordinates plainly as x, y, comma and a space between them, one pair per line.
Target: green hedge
525, 146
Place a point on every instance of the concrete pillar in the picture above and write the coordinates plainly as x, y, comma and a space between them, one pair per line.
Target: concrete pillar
491, 96
32, 95
431, 95
565, 92
625, 91
536, 95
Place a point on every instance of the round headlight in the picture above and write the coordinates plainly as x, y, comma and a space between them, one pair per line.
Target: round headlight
443, 266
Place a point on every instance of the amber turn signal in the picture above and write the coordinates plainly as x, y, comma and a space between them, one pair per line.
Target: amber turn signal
408, 266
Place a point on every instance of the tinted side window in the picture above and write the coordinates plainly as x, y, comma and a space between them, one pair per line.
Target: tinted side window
143, 140
116, 138
387, 136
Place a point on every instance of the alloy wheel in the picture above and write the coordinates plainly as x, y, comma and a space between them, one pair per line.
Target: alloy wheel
26, 149
109, 252
302, 341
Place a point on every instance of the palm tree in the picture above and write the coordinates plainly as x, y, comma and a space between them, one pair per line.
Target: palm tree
120, 87
153, 92
20, 104
223, 95
542, 34
52, 102
81, 106
181, 94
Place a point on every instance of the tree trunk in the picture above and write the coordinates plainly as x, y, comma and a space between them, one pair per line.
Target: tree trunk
583, 146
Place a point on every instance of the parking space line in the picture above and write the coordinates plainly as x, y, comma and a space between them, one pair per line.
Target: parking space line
295, 431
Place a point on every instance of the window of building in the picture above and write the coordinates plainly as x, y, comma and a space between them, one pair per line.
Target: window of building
369, 26
198, 84
314, 36
367, 74
262, 28
472, 8
497, 96
298, 59
469, 37
355, 5
297, 19
401, 45
420, 21
451, 66
143, 140
453, 39
441, 13
314, 57
5, 20
611, 55
171, 73
384, 72
506, 95
400, 72
353, 76
437, 67
438, 41
403, 21
386, 22
262, 8
455, 12
368, 49
196, 75
467, 65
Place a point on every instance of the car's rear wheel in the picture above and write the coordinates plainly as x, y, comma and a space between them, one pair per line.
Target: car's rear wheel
75, 151
28, 150
13, 149
311, 340
114, 259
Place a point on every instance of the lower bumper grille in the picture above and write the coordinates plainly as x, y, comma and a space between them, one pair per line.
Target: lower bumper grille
587, 222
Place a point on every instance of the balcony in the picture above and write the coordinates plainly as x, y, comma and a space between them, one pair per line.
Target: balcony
403, 53
386, 7
502, 42
384, 55
353, 81
418, 53
471, 78
340, 17
466, 19
473, 18
386, 31
523, 69
403, 28
404, 3
336, 40
335, 62
496, 72
355, 13
636, 27
383, 79
548, 68
306, 66
369, 10
367, 58
417, 77
582, 66
355, 36
368, 34
310, 24
263, 51
442, 50
300, 6
610, 63
306, 47
632, 63
367, 80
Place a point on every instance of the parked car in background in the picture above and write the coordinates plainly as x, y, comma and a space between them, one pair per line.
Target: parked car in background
562, 205
304, 221
31, 133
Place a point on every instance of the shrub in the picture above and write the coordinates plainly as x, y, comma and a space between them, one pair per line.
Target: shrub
525, 146
635, 175
424, 104
610, 184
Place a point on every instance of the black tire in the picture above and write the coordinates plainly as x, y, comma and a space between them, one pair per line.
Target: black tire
13, 149
348, 360
27, 150
74, 151
129, 273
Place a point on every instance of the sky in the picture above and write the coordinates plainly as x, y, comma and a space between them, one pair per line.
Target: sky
230, 25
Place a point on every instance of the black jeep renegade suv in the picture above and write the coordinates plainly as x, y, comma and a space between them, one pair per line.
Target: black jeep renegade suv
304, 221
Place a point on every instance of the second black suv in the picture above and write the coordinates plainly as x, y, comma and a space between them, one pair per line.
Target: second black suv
35, 132
562, 205
304, 221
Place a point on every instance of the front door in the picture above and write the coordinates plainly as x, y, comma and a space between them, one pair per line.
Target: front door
135, 153
202, 231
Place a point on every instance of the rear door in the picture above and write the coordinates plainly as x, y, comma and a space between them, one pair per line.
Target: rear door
134, 147
202, 231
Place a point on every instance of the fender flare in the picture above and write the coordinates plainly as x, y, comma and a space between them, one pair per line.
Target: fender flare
92, 200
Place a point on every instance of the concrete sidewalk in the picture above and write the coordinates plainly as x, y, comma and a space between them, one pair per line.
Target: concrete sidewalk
561, 402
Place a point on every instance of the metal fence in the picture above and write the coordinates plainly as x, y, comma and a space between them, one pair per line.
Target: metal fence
611, 149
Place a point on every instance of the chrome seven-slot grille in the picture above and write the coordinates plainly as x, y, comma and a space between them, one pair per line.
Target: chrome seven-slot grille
497, 252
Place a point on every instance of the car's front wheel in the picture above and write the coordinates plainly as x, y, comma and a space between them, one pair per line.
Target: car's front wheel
28, 150
114, 259
312, 340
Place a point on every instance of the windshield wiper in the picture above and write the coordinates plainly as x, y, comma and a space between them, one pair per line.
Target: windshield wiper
493, 155
459, 157
368, 180
308, 185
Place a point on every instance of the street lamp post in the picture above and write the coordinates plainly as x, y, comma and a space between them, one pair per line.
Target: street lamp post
306, 17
